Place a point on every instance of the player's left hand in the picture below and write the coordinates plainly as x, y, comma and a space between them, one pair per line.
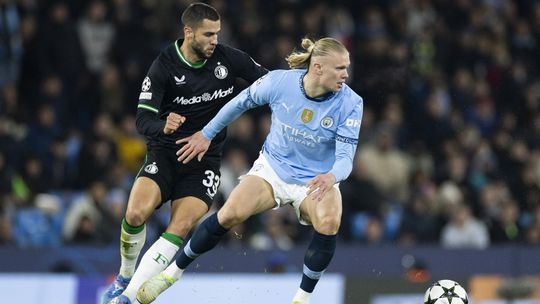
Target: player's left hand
196, 145
319, 186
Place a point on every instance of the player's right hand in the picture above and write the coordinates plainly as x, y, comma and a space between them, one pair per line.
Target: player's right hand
174, 121
196, 145
320, 185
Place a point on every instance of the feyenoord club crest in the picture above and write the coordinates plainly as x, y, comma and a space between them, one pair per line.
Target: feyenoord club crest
152, 168
221, 71
307, 115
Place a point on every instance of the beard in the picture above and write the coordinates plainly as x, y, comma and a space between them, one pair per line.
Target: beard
199, 51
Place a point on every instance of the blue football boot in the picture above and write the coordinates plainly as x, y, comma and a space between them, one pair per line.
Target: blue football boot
120, 300
116, 288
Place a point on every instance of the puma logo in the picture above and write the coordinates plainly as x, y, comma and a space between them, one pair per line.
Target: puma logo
286, 107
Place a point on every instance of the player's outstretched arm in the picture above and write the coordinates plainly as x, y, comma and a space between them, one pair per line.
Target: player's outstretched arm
196, 145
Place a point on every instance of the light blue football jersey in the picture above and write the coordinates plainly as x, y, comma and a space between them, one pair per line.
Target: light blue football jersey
308, 136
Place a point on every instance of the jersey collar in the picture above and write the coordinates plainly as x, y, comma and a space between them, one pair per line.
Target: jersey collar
322, 98
184, 60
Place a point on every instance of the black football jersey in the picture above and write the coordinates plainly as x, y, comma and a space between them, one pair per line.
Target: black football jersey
197, 92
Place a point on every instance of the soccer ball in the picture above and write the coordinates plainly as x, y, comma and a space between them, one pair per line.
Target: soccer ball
446, 292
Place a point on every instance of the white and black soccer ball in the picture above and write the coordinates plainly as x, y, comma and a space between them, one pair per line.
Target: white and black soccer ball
446, 292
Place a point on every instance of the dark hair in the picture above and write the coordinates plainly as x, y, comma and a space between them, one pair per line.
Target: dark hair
195, 13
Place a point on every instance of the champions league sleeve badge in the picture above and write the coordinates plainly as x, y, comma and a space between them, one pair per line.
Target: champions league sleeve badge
146, 84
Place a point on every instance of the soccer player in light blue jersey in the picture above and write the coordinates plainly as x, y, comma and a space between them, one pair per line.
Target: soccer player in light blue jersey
316, 121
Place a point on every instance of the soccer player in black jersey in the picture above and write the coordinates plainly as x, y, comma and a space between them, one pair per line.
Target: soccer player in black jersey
185, 87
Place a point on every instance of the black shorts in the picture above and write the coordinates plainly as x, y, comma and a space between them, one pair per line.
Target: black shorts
177, 180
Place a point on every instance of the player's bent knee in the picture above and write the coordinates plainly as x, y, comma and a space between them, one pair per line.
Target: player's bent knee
328, 225
230, 217
135, 217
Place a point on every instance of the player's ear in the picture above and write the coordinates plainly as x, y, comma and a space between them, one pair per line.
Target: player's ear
317, 68
188, 32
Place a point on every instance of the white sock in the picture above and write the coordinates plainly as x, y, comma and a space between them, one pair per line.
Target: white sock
130, 247
173, 271
158, 256
302, 296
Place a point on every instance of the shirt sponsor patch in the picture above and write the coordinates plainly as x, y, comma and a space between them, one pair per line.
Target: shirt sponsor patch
347, 140
352, 122
204, 97
145, 95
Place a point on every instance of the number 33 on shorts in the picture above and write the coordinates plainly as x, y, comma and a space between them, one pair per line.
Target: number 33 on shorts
211, 182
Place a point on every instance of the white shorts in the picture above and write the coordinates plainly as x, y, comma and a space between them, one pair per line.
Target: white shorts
284, 193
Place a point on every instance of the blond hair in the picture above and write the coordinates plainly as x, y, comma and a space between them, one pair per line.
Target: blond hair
321, 47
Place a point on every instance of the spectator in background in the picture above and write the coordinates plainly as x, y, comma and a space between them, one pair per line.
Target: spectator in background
34, 177
361, 197
11, 47
42, 132
464, 230
420, 224
98, 152
506, 228
386, 165
129, 144
60, 53
96, 34
89, 219
61, 168
113, 93
38, 222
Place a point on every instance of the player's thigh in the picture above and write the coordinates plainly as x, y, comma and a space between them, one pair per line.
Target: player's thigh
145, 196
185, 213
152, 186
251, 196
328, 211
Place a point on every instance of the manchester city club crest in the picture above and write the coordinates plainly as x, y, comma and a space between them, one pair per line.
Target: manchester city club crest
307, 116
152, 168
221, 71
327, 122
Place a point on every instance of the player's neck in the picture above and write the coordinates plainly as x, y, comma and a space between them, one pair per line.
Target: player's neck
312, 87
189, 55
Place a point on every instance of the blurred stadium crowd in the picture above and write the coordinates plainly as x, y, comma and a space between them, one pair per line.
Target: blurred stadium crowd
450, 139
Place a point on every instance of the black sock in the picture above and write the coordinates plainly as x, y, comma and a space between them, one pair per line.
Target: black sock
206, 237
318, 257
